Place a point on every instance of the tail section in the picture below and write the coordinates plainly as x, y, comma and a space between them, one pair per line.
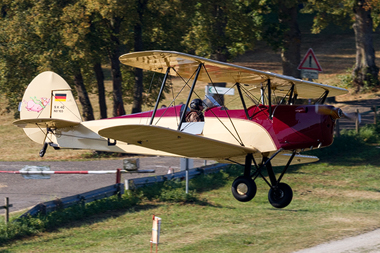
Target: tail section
48, 103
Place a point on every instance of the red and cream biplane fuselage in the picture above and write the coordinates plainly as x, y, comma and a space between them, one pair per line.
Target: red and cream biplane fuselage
273, 133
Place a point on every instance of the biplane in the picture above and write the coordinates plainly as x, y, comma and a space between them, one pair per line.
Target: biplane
269, 127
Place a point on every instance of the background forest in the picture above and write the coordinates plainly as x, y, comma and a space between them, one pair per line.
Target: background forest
79, 38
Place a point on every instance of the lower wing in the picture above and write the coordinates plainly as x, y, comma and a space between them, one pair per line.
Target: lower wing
176, 142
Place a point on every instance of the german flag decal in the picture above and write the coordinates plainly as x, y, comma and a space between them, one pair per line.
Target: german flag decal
60, 97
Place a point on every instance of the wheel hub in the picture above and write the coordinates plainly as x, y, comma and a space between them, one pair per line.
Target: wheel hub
242, 189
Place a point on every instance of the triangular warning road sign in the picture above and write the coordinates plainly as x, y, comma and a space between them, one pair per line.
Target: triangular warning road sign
310, 62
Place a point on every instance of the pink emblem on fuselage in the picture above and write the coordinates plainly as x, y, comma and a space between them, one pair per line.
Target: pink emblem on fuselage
36, 105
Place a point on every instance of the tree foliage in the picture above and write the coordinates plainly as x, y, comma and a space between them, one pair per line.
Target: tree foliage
76, 37
363, 16
222, 29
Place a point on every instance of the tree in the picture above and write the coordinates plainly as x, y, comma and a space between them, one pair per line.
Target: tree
281, 31
113, 20
18, 62
365, 70
361, 14
291, 44
36, 28
221, 30
138, 46
101, 89
87, 111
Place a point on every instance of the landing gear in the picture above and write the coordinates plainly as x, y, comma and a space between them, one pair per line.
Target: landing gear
244, 187
43, 150
44, 147
280, 195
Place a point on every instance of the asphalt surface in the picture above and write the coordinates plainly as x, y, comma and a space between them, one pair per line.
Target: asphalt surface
364, 243
26, 193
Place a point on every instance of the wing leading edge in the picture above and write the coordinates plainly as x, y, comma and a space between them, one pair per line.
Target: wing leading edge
175, 142
185, 65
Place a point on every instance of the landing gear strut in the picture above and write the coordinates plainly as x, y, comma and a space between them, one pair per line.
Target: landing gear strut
244, 187
43, 150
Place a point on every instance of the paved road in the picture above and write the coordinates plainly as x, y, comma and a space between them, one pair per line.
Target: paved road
25, 193
365, 243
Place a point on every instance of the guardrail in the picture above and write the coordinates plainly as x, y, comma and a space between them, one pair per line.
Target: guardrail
131, 184
46, 207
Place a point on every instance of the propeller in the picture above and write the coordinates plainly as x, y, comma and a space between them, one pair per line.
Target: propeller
336, 113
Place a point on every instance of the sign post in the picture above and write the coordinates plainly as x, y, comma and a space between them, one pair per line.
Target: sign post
155, 232
309, 66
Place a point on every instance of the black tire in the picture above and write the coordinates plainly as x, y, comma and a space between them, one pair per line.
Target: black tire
281, 196
244, 189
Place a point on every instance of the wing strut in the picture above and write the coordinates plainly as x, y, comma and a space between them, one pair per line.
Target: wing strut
242, 101
189, 97
269, 99
322, 98
291, 99
159, 95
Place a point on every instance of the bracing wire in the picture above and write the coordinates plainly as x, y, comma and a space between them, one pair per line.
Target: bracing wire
173, 101
67, 108
238, 138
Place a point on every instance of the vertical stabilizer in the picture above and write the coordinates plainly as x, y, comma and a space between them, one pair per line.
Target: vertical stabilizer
47, 104
49, 96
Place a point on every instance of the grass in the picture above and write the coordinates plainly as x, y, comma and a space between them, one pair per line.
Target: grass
331, 201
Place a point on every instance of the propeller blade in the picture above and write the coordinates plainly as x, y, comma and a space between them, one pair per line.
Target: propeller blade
352, 116
335, 113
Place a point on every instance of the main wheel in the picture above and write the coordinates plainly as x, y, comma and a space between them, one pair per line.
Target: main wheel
280, 196
244, 189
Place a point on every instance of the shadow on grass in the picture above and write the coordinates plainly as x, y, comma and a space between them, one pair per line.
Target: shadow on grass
348, 151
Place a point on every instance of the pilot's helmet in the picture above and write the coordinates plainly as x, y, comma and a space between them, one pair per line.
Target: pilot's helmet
196, 103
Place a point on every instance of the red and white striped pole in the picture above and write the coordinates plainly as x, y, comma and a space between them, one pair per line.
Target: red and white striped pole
44, 172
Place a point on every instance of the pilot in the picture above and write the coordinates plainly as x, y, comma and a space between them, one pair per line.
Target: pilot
195, 114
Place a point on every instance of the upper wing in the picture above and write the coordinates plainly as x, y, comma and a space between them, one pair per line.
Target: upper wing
185, 65
175, 142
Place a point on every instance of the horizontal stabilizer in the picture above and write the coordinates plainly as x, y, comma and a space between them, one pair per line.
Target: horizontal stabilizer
175, 142
44, 123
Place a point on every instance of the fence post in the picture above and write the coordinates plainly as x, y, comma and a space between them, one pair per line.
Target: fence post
6, 206
337, 129
357, 121
118, 176
118, 180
